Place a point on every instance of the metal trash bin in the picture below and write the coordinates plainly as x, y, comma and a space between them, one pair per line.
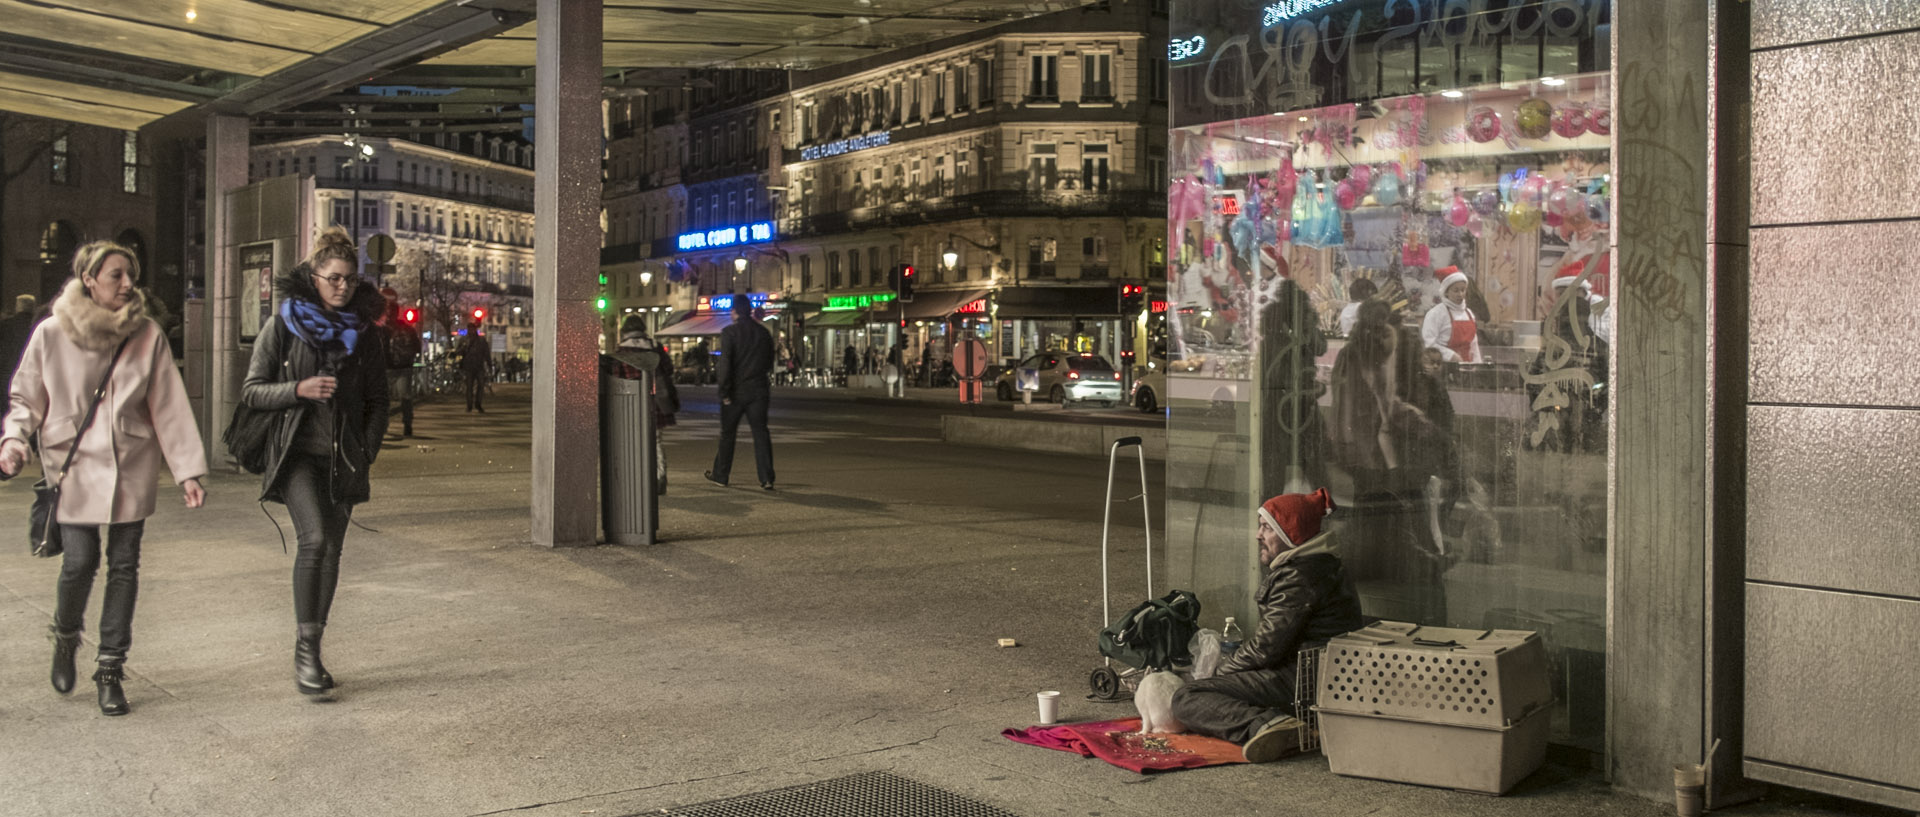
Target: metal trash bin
629, 506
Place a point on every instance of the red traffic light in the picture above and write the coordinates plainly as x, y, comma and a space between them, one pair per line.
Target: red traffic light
908, 272
479, 315
409, 316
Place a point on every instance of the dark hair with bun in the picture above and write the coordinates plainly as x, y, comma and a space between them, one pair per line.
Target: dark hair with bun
334, 243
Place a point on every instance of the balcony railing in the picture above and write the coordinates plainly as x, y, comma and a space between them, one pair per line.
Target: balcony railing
845, 215
502, 202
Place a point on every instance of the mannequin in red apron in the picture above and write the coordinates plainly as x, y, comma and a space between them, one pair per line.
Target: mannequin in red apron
1450, 326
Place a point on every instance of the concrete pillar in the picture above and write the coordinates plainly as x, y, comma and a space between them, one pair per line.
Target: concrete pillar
226, 170
1674, 658
566, 264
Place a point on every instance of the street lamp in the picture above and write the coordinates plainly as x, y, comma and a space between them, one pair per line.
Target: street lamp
646, 277
949, 258
362, 154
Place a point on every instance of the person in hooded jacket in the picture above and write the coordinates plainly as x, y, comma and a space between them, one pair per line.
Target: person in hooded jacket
1305, 599
100, 319
321, 363
666, 396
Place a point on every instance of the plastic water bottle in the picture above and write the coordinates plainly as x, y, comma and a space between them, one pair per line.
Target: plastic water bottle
1230, 637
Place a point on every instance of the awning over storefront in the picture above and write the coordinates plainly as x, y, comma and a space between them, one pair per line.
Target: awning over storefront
837, 320
938, 304
1059, 302
697, 325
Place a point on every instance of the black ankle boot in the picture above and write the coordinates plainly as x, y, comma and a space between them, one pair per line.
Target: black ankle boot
113, 700
64, 646
308, 674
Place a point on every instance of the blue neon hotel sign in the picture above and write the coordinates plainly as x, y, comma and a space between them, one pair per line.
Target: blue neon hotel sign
727, 236
724, 303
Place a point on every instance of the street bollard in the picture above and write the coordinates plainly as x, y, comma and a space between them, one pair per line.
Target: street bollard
629, 502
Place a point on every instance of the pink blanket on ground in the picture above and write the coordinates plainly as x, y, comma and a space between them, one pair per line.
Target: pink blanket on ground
1120, 743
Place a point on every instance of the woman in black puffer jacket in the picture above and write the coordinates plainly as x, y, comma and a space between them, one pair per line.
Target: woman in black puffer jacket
321, 363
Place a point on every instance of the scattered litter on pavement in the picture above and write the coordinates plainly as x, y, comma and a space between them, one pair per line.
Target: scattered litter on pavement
1008, 642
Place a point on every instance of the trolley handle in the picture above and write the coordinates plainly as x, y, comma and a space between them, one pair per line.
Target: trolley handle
1126, 441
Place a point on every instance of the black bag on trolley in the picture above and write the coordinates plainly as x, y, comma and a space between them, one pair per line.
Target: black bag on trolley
1154, 635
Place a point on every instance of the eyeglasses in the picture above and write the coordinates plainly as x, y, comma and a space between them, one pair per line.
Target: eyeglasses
336, 280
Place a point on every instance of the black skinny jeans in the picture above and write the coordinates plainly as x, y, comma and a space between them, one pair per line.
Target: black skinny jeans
320, 525
77, 568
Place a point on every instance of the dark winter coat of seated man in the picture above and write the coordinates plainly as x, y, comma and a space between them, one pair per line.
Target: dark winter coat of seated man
1305, 599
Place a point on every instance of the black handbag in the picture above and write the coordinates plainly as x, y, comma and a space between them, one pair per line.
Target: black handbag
43, 530
247, 436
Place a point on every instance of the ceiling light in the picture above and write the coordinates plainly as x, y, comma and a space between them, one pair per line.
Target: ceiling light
191, 15
1452, 94
1303, 119
1554, 82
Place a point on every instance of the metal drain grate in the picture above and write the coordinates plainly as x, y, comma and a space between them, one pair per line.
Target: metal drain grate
869, 794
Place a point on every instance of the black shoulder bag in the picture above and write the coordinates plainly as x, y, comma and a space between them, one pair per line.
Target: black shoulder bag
250, 431
43, 530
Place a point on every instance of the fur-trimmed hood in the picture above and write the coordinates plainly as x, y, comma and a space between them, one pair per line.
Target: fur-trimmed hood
93, 327
366, 302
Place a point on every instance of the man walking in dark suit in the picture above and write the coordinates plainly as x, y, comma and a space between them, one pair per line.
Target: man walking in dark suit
746, 361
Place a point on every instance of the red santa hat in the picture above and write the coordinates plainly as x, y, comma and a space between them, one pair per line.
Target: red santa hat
1449, 275
1569, 273
1297, 516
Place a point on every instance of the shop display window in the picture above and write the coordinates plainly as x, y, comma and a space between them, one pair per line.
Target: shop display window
1403, 296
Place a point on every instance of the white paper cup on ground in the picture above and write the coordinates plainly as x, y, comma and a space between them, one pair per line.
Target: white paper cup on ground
1689, 784
1049, 706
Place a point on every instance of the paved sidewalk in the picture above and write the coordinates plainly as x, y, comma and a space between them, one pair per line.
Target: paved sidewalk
837, 626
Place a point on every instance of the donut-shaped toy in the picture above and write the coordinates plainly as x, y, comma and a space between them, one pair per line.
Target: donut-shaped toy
1483, 125
1570, 121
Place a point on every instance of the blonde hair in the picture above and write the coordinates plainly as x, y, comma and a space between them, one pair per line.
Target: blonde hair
93, 255
334, 244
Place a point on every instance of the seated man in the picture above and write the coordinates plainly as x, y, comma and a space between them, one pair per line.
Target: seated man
1305, 599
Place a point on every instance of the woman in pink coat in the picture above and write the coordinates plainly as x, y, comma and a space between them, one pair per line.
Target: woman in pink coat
143, 417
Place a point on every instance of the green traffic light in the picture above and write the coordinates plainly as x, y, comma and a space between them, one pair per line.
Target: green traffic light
600, 304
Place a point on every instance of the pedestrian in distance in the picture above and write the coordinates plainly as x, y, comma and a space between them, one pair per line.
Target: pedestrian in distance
403, 348
100, 332
1305, 599
746, 360
850, 360
476, 366
321, 364
665, 399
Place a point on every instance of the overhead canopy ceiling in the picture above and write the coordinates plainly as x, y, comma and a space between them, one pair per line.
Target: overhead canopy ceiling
126, 63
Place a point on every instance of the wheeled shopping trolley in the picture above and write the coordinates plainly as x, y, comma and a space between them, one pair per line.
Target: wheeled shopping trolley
1107, 683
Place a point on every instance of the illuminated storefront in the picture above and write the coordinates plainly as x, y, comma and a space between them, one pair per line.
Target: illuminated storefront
1335, 164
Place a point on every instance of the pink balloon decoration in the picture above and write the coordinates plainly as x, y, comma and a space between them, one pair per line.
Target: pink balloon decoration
1361, 175
1563, 201
1533, 191
1347, 193
1458, 211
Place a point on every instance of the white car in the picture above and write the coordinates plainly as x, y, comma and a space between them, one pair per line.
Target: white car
1066, 377
1150, 388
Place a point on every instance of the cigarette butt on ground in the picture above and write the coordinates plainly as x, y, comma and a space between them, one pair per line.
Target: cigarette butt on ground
1008, 642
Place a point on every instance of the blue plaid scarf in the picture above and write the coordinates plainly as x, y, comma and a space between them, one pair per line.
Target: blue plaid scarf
327, 331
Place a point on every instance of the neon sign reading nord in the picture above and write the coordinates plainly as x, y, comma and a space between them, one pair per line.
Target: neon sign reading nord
727, 236
1289, 9
871, 140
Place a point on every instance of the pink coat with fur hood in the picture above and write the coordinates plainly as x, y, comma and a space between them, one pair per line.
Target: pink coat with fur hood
145, 414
